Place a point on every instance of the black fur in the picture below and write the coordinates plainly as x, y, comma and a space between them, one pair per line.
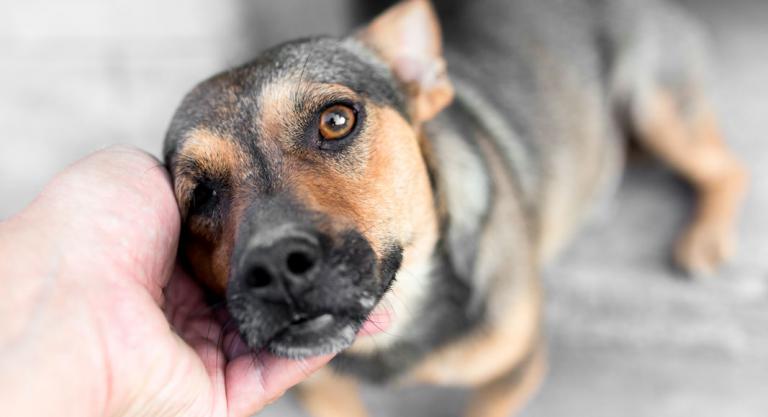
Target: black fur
442, 319
348, 273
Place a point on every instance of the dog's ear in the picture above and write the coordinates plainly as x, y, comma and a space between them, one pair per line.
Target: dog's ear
408, 37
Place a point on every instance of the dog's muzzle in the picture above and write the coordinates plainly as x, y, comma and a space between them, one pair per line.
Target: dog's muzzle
300, 292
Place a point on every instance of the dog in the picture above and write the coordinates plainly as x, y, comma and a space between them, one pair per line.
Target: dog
392, 196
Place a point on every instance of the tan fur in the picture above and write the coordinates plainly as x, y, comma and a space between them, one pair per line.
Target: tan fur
375, 189
391, 195
381, 189
411, 284
277, 124
210, 257
214, 155
209, 246
326, 394
514, 309
692, 144
508, 395
489, 353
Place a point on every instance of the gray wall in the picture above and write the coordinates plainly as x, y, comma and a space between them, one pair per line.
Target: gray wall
79, 75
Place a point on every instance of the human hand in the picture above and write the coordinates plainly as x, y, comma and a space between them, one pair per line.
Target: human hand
97, 320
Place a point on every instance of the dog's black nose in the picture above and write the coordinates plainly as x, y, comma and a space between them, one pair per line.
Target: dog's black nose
280, 265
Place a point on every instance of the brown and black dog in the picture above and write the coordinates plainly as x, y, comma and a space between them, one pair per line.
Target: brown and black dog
416, 183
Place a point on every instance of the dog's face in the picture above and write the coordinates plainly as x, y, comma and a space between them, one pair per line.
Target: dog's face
302, 183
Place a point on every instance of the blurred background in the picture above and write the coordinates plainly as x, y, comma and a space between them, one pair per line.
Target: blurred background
627, 335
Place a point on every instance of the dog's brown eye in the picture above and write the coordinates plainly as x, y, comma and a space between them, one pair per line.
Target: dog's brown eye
337, 122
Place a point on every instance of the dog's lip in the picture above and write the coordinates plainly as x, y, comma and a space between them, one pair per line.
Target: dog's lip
378, 321
326, 333
319, 335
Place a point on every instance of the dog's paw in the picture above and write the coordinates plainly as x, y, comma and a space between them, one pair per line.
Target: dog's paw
704, 248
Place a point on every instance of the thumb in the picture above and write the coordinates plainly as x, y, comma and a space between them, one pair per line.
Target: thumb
112, 211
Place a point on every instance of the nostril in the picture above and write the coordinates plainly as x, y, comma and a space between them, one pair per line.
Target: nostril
259, 277
299, 263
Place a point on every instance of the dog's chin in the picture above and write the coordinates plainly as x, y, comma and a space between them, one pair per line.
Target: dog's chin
323, 335
327, 318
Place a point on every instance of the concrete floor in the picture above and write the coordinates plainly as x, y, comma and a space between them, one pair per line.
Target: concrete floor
627, 336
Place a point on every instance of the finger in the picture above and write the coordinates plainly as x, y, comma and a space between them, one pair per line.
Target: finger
234, 345
252, 382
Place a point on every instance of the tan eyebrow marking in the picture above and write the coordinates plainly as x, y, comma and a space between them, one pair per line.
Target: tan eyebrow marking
278, 100
210, 154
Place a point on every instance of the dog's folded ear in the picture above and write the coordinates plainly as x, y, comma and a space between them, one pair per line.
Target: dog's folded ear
408, 37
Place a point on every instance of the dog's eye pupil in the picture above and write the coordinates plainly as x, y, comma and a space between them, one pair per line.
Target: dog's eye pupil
337, 122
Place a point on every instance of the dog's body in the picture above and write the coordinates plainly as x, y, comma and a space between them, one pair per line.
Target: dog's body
545, 91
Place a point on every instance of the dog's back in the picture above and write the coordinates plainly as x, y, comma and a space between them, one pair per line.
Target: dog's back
552, 81
533, 74
544, 92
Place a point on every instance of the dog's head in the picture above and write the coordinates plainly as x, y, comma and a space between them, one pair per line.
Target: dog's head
302, 181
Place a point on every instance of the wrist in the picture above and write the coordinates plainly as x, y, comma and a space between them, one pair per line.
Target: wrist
49, 360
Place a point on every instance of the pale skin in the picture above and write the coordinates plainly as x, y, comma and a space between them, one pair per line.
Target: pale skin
97, 320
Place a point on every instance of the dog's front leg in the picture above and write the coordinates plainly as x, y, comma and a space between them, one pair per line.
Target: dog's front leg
327, 394
506, 396
691, 143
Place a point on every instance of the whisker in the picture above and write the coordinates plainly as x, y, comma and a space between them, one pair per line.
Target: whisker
255, 359
297, 90
397, 297
205, 310
220, 343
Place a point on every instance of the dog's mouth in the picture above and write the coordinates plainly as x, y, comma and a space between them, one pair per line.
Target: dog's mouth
323, 312
323, 334
293, 335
